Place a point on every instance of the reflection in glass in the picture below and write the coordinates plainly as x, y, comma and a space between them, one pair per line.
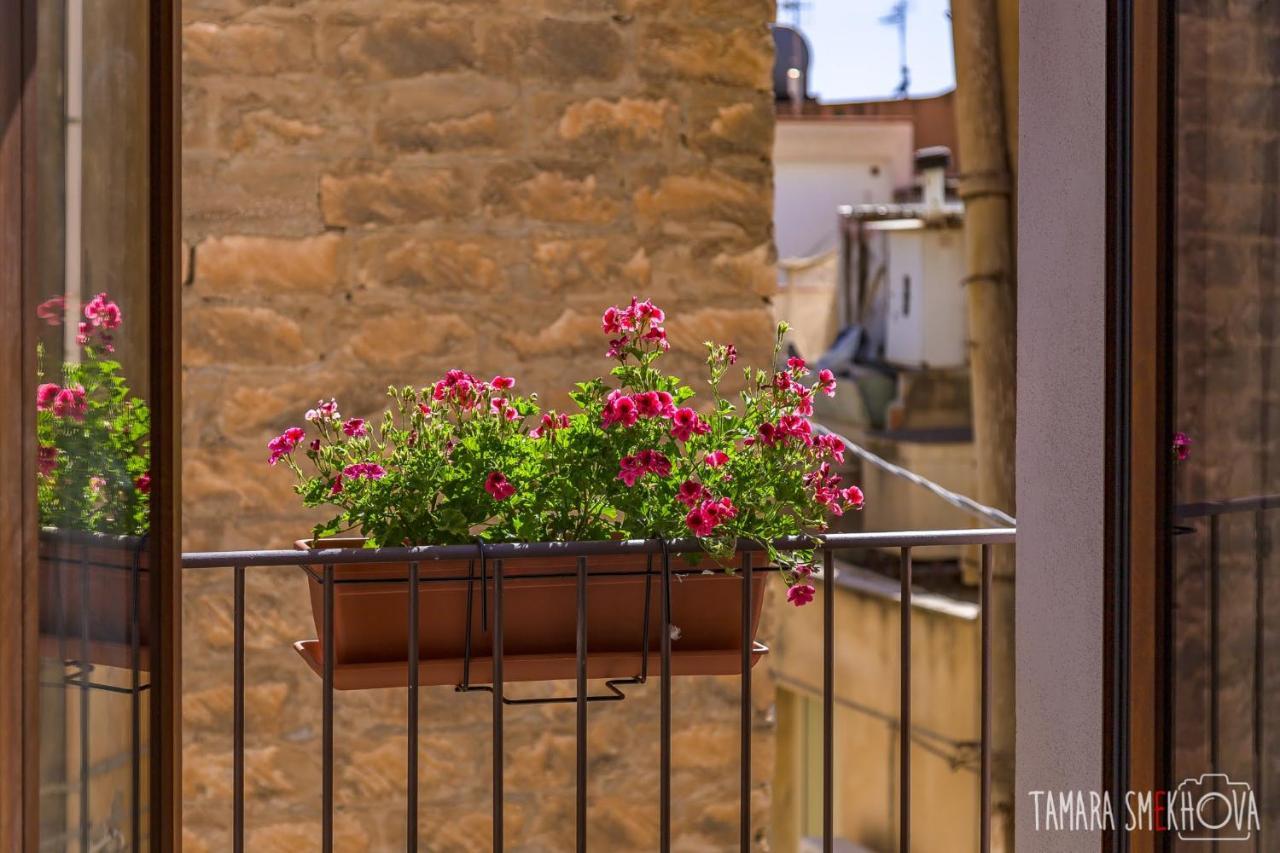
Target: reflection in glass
89, 286
1225, 450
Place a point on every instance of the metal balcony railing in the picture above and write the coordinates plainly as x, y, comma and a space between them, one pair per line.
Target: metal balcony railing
661, 553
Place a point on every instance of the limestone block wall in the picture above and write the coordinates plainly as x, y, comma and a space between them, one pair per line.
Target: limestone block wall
376, 191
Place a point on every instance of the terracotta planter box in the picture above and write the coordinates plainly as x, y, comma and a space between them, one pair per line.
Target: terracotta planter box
77, 567
371, 620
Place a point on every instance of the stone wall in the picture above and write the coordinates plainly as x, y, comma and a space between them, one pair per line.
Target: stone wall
376, 191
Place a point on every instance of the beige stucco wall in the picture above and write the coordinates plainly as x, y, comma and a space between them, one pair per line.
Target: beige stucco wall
945, 719
376, 191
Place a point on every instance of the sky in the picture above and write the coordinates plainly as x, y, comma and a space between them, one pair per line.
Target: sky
855, 57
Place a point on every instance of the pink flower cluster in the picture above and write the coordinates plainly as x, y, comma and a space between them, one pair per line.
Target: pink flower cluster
686, 423
632, 468
356, 428
284, 443
1181, 446
549, 424
466, 391
710, 514
827, 491
324, 412
788, 428
626, 409
102, 316
502, 407
66, 402
364, 470
498, 486
639, 322
801, 591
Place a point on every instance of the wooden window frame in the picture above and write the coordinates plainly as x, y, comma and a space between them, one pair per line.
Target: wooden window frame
1140, 230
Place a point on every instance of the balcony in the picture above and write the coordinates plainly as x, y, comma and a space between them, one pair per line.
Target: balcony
493, 585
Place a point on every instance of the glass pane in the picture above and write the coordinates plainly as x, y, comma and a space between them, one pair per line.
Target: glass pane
1226, 459
89, 282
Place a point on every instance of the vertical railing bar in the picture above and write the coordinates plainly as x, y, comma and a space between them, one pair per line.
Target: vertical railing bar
466, 641
1259, 663
904, 726
497, 706
664, 778
985, 744
84, 699
326, 838
581, 745
411, 792
135, 698
1215, 590
744, 783
644, 630
237, 710
828, 699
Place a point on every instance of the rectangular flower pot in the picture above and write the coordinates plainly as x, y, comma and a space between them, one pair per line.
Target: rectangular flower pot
371, 621
111, 574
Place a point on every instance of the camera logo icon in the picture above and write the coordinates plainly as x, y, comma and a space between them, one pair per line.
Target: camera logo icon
1211, 807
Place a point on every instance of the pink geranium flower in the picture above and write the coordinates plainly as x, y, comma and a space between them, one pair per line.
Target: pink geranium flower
284, 443
355, 428
827, 382
716, 458
1181, 446
832, 446
630, 470
503, 383
801, 594
797, 366
654, 462
70, 403
45, 395
498, 486
685, 423
619, 409
696, 520
143, 483
691, 493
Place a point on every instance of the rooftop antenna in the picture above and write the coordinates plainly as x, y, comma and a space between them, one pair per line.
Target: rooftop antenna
793, 9
897, 17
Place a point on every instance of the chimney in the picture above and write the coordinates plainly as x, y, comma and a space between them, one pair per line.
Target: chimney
931, 164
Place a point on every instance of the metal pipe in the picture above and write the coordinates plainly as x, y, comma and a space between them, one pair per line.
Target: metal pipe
581, 805
411, 791
84, 699
904, 734
498, 707
135, 700
744, 782
326, 837
237, 713
515, 550
664, 777
984, 610
828, 696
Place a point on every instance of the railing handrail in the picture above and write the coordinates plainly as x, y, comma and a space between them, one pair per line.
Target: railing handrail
513, 550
